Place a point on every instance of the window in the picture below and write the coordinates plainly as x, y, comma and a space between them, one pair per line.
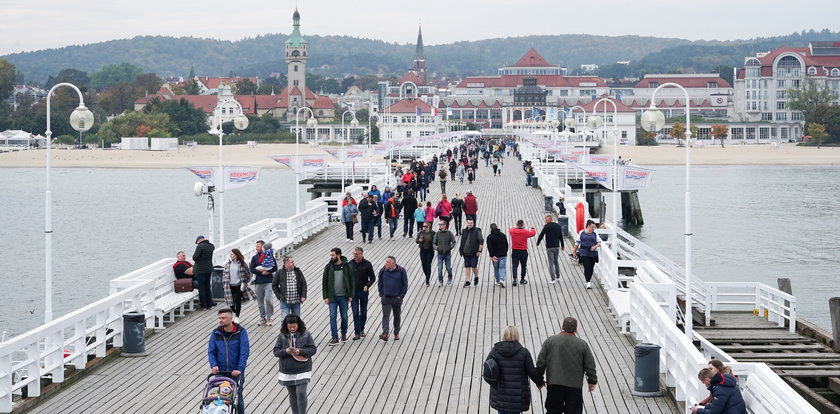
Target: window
408, 134
784, 133
812, 70
711, 84
753, 72
750, 133
296, 67
295, 83
587, 92
835, 72
737, 133
764, 133
780, 105
795, 83
765, 106
624, 134
781, 116
780, 84
796, 116
765, 83
766, 116
653, 85
780, 94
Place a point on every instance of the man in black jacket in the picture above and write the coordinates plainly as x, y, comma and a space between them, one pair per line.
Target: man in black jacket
203, 259
553, 233
409, 204
497, 248
366, 208
289, 287
364, 278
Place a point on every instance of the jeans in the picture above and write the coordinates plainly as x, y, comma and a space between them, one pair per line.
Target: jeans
421, 192
366, 227
392, 223
338, 303
205, 299
297, 398
348, 226
517, 257
553, 263
457, 218
528, 179
236, 293
265, 299
286, 309
377, 223
443, 187
426, 257
389, 304
408, 224
359, 306
500, 268
447, 259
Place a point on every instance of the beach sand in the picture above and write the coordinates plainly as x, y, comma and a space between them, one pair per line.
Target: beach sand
242, 155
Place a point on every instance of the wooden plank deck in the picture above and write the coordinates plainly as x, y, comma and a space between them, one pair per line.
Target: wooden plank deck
434, 368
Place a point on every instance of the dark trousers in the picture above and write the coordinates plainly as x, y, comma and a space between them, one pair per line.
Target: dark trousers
359, 306
420, 226
205, 299
408, 224
458, 225
443, 187
518, 257
392, 226
348, 226
377, 222
563, 400
236, 292
426, 257
391, 304
588, 266
366, 227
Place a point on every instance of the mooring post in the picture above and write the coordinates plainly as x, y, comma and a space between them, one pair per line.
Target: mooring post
834, 309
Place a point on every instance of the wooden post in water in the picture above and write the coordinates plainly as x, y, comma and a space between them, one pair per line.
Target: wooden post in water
834, 309
784, 286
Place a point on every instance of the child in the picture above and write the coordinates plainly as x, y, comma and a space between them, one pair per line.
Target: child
266, 260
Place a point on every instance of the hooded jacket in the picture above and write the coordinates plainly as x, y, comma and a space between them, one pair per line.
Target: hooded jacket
328, 281
497, 244
229, 350
726, 397
513, 393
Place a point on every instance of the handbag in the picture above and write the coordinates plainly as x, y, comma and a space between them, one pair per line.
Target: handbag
183, 285
354, 219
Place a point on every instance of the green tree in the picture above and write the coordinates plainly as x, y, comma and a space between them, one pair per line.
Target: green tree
191, 87
192, 72
119, 98
346, 83
245, 87
8, 74
187, 118
114, 74
817, 132
127, 125
150, 82
264, 124
809, 97
74, 76
829, 115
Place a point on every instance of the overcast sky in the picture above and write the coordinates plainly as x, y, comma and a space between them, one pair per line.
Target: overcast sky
39, 24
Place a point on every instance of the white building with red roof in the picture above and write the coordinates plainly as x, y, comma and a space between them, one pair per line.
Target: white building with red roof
411, 117
761, 87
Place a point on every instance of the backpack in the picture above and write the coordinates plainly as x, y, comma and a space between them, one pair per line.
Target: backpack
491, 372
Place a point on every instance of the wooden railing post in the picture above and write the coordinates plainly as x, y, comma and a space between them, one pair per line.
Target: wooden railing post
785, 286
834, 309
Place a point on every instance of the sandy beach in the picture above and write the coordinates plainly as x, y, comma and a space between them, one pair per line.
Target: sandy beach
205, 155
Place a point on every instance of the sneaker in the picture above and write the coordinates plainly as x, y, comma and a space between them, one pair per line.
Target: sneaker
363, 334
467, 284
357, 337
449, 282
343, 338
333, 342
370, 242
552, 281
502, 285
427, 283
514, 282
523, 282
475, 281
262, 322
235, 319
384, 337
269, 322
440, 284
396, 337
589, 285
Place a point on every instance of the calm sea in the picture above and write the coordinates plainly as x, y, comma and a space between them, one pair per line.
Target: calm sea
750, 223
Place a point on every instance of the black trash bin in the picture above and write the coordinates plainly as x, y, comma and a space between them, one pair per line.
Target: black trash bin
549, 204
647, 370
564, 224
134, 334
217, 286
535, 182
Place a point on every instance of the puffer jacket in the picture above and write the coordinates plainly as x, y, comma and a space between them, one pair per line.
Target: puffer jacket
513, 393
302, 341
726, 397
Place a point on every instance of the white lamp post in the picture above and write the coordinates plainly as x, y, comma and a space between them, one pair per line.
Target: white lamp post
81, 120
614, 244
369, 137
653, 120
310, 123
353, 124
571, 122
240, 122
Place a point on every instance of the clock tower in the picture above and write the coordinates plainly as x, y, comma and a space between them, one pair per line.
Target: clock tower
297, 53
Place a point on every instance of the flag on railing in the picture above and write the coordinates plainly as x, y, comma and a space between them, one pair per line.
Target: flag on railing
602, 174
335, 152
285, 160
599, 159
634, 178
204, 173
308, 163
354, 153
237, 177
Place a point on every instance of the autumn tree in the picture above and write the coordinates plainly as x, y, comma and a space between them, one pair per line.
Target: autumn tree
720, 131
817, 131
191, 87
678, 132
127, 126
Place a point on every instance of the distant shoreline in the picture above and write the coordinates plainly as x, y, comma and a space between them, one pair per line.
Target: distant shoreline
243, 155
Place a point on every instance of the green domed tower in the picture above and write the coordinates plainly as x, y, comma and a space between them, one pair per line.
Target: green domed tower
297, 53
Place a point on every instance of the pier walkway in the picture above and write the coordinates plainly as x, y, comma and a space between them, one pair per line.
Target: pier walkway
434, 368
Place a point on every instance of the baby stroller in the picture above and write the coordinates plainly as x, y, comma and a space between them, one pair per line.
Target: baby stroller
220, 394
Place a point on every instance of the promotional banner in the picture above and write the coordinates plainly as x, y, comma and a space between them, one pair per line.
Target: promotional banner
571, 158
237, 177
335, 152
204, 173
599, 159
354, 153
634, 178
602, 174
378, 149
312, 162
286, 160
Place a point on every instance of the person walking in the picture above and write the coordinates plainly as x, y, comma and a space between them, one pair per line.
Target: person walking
228, 350
443, 209
289, 287
430, 213
495, 163
457, 212
472, 242
471, 206
586, 251
519, 249
442, 174
364, 280
444, 242
419, 216
393, 285
497, 248
235, 279
337, 287
262, 285
409, 204
203, 259
516, 366
294, 349
366, 209
425, 240
461, 171
349, 216
376, 215
564, 359
422, 185
553, 233
392, 215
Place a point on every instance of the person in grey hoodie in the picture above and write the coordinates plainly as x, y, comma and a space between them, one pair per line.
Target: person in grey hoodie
444, 242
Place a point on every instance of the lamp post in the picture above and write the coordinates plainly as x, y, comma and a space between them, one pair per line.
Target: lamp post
614, 244
353, 124
571, 122
653, 120
81, 120
369, 138
240, 122
310, 123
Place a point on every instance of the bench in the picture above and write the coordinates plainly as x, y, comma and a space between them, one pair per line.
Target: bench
167, 302
620, 307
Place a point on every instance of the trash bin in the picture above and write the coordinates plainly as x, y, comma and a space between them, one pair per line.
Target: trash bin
564, 224
134, 334
549, 204
647, 370
535, 182
217, 286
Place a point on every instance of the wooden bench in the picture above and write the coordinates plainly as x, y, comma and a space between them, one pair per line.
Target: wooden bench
620, 308
169, 303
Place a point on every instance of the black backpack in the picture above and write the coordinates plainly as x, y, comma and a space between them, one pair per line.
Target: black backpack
491, 372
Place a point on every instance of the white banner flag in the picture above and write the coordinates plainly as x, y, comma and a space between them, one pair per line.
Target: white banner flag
634, 178
354, 153
204, 173
312, 162
287, 160
237, 177
599, 159
335, 152
602, 174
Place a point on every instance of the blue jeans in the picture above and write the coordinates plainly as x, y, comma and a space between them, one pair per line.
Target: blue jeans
338, 303
444, 258
500, 269
286, 309
392, 223
528, 179
377, 222
421, 192
359, 306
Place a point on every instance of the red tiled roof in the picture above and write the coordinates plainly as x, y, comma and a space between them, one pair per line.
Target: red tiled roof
513, 81
408, 106
322, 102
532, 59
591, 106
685, 82
295, 91
411, 77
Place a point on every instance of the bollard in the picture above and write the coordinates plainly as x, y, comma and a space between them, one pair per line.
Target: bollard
549, 204
217, 287
134, 334
647, 370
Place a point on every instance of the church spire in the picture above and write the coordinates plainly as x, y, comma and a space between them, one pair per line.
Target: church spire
418, 51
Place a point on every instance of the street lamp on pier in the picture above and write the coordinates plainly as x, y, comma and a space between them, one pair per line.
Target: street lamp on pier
353, 124
614, 243
310, 123
240, 122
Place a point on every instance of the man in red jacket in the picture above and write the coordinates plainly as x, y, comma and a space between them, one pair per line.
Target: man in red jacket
519, 248
470, 206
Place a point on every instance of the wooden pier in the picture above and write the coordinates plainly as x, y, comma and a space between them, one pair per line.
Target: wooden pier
434, 368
